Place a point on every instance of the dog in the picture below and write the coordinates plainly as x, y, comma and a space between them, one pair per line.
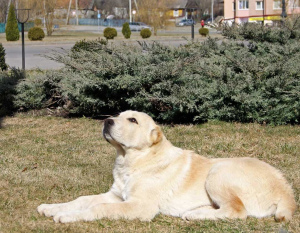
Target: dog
152, 176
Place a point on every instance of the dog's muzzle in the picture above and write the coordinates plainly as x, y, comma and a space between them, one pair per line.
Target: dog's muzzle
108, 123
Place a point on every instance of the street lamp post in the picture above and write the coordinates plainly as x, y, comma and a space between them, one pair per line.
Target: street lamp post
22, 17
130, 15
133, 12
192, 26
283, 14
212, 11
263, 21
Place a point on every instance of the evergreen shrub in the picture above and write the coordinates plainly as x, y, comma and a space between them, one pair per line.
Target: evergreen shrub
12, 31
92, 45
203, 31
36, 33
259, 33
3, 65
110, 33
8, 82
126, 30
145, 33
229, 81
38, 22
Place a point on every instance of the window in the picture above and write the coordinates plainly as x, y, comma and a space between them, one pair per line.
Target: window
277, 4
176, 13
259, 5
243, 5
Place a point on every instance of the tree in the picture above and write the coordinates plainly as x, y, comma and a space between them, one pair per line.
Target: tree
153, 12
107, 6
12, 30
126, 30
3, 10
49, 15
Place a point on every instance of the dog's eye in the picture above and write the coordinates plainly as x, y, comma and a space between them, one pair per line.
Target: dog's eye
133, 120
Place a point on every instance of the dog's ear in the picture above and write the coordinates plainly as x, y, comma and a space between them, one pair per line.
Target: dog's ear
156, 135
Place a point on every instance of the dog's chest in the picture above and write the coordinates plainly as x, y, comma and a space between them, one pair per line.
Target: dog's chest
122, 178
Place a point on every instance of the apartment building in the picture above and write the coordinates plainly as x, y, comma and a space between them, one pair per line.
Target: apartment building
254, 11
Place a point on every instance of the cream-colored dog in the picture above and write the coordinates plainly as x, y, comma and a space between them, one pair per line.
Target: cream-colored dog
152, 176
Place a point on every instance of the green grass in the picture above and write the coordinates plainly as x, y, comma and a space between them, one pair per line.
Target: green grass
47, 160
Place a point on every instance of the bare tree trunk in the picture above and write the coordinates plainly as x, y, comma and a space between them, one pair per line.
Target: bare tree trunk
68, 14
7, 8
76, 6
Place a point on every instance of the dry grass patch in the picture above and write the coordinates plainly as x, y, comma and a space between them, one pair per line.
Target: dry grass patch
48, 160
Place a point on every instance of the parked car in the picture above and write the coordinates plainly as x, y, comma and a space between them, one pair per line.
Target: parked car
185, 22
208, 21
138, 26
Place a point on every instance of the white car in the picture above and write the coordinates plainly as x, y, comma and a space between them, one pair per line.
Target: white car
185, 22
138, 26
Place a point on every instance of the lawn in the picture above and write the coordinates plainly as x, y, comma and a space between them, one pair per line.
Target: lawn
71, 34
49, 159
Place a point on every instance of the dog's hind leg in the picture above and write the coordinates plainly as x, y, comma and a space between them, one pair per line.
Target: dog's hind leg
225, 198
231, 209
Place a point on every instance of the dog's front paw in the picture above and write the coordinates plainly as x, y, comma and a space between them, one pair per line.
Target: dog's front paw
73, 216
48, 210
65, 217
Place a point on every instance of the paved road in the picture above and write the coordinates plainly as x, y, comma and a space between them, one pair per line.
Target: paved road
34, 55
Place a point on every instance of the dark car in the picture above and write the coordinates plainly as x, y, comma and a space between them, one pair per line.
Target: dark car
185, 22
208, 21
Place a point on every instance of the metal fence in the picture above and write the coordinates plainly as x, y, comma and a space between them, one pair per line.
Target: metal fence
2, 27
27, 26
100, 22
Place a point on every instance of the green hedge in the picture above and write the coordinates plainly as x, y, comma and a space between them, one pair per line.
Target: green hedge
110, 33
145, 33
8, 83
3, 65
256, 32
36, 33
11, 30
126, 30
230, 81
203, 31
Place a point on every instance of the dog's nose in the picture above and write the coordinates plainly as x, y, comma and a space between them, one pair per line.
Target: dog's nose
109, 122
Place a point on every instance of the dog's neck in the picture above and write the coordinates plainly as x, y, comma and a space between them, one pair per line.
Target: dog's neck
131, 156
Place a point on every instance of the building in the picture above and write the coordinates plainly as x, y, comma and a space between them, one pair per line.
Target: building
183, 9
241, 11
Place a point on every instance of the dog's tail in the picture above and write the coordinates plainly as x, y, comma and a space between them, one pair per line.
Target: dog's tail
286, 206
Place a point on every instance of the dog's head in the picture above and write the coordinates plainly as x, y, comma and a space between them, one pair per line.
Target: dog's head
132, 130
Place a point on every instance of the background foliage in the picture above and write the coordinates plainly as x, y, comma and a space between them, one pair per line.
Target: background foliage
3, 65
249, 81
126, 30
289, 30
8, 81
203, 31
212, 80
145, 33
110, 33
36, 33
12, 31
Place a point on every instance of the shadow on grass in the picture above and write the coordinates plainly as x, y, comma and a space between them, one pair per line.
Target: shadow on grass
8, 82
